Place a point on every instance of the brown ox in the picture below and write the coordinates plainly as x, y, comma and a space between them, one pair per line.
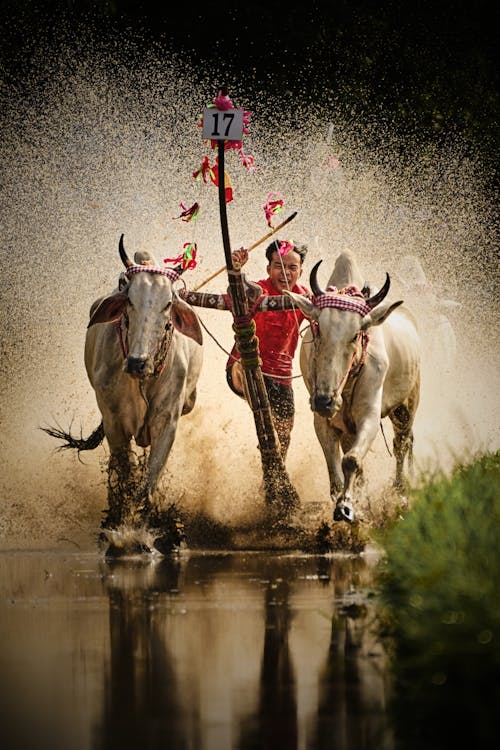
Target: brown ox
358, 371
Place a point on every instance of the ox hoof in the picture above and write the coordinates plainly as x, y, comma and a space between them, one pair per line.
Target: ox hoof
344, 512
166, 545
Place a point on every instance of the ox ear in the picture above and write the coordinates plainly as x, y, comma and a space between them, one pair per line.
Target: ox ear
303, 303
186, 321
379, 314
109, 309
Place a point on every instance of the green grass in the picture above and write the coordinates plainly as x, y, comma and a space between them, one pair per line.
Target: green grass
439, 587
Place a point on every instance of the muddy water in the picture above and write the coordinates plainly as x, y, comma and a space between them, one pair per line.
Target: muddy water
209, 651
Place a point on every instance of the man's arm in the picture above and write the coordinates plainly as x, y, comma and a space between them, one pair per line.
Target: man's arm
223, 301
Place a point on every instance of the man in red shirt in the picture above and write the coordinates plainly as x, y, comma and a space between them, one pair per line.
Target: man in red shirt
278, 335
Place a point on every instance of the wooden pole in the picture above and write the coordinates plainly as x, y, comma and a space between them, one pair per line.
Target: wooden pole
280, 495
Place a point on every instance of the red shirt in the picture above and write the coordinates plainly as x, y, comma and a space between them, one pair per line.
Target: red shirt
278, 334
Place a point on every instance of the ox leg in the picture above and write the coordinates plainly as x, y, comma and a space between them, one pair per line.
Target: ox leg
344, 510
126, 504
329, 439
352, 463
403, 442
165, 522
402, 419
122, 412
347, 442
162, 440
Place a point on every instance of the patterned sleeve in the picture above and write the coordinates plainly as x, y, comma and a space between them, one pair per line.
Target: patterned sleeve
205, 299
276, 302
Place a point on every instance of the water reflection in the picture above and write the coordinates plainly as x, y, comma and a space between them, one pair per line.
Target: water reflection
141, 693
206, 651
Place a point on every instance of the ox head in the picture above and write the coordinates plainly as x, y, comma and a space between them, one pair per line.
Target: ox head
339, 318
151, 307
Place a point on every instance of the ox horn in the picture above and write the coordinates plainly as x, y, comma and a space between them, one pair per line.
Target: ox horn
313, 281
123, 255
379, 296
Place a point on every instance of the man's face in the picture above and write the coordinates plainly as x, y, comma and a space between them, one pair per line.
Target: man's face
285, 271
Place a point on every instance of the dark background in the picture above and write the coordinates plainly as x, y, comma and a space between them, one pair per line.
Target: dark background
423, 66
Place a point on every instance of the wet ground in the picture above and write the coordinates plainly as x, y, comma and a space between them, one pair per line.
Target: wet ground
204, 651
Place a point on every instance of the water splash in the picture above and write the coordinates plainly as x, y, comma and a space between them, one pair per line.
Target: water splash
99, 138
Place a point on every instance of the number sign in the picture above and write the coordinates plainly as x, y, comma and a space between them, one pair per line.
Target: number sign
222, 125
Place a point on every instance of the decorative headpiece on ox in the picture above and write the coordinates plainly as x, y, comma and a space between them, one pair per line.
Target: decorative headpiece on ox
149, 306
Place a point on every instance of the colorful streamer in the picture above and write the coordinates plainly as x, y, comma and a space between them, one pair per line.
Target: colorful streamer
187, 258
188, 214
204, 172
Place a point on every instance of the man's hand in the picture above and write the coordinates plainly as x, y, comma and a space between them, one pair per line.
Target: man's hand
240, 257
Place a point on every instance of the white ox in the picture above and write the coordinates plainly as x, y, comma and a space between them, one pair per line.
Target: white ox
358, 371
143, 357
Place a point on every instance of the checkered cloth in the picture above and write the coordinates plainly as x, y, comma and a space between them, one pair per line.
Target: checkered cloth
350, 298
168, 272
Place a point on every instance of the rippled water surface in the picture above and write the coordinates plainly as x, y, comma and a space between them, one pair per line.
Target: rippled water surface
209, 651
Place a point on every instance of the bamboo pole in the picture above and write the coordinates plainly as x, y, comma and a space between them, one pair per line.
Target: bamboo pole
280, 495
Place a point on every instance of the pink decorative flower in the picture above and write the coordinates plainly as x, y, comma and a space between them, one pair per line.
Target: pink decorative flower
247, 116
285, 247
332, 162
222, 101
274, 205
247, 161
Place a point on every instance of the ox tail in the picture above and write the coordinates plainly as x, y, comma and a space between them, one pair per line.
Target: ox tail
79, 444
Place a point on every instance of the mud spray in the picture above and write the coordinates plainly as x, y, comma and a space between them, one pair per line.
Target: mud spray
92, 148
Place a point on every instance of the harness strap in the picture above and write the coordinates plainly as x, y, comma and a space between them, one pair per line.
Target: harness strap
364, 337
121, 332
163, 349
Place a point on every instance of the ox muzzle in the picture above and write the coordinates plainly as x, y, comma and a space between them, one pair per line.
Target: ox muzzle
139, 367
326, 405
